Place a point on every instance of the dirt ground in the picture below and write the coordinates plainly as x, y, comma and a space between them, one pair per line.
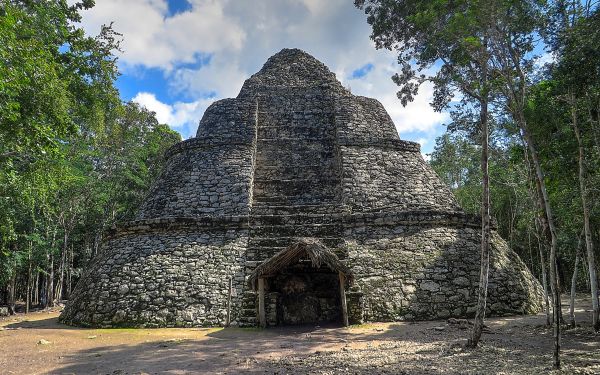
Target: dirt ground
37, 344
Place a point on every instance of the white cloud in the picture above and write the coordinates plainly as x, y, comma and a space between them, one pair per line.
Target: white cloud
241, 35
222, 77
153, 39
181, 116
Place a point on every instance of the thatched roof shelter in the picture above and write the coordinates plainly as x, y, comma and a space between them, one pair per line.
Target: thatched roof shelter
312, 248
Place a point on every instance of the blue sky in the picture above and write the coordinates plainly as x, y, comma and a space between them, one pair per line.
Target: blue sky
181, 55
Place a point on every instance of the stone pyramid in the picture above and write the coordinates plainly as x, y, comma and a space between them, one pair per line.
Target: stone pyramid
296, 155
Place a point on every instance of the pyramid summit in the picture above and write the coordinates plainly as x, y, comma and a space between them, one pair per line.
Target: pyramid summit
296, 203
293, 68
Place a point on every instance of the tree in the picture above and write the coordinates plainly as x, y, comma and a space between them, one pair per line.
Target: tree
54, 82
484, 51
455, 36
577, 73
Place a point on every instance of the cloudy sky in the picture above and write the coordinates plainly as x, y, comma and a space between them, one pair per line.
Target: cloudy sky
181, 55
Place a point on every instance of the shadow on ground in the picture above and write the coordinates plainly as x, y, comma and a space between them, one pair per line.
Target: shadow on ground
47, 323
421, 348
515, 345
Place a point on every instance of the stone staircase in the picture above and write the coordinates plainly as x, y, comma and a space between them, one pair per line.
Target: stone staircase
296, 185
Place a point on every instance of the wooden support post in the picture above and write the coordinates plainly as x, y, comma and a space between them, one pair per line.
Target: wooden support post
228, 322
261, 302
343, 299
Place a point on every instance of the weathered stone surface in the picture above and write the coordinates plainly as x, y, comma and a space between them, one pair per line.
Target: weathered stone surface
295, 154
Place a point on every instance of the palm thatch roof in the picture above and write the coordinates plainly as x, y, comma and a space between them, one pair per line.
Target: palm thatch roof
314, 249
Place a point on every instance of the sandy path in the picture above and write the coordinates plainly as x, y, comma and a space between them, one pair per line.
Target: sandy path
511, 345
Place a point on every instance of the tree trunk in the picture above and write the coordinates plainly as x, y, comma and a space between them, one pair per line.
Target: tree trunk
36, 289
50, 272
97, 241
589, 244
594, 105
572, 322
539, 226
485, 230
63, 262
12, 284
50, 283
70, 273
28, 288
554, 286
544, 282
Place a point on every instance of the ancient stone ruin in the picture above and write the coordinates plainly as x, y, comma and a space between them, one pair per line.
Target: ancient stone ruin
296, 203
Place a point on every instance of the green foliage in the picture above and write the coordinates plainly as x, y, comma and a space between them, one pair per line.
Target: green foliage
456, 160
73, 158
455, 45
548, 113
486, 52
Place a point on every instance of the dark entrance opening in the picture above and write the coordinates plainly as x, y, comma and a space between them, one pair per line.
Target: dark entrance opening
306, 295
302, 284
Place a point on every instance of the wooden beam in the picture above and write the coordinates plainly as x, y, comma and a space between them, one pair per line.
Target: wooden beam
228, 321
261, 303
343, 299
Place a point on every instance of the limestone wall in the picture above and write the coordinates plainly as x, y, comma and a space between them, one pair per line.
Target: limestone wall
295, 155
202, 180
212, 173
377, 177
228, 121
378, 169
428, 269
363, 121
163, 273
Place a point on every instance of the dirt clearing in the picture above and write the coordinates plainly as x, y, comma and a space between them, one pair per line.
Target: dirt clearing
37, 344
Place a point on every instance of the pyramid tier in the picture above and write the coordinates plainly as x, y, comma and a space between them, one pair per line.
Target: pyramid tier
296, 155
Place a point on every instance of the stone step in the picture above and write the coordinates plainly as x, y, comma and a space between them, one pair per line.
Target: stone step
316, 164
280, 148
281, 157
300, 187
293, 145
259, 209
292, 169
293, 200
295, 180
282, 172
281, 160
300, 131
305, 219
296, 142
317, 230
298, 108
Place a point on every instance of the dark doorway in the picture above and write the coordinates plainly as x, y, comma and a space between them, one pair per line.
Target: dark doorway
307, 295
